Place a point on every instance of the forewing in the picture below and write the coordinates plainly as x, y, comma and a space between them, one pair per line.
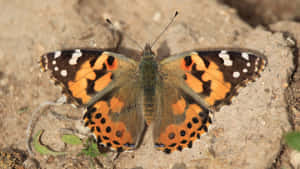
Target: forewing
84, 73
214, 76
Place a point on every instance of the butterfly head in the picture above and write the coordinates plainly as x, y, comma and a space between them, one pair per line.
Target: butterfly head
147, 52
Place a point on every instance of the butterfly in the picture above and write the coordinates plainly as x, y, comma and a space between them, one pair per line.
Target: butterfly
176, 95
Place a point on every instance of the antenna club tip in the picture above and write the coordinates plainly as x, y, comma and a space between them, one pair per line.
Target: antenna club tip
108, 21
176, 13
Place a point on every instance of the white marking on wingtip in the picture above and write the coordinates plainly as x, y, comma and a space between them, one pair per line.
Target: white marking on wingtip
77, 54
245, 70
236, 74
256, 61
46, 62
226, 58
64, 73
57, 54
56, 68
248, 64
46, 58
53, 62
245, 55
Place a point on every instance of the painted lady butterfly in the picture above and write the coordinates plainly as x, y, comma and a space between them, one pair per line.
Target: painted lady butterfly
176, 95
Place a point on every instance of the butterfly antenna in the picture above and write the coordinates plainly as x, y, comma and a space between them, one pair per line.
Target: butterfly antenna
166, 28
134, 41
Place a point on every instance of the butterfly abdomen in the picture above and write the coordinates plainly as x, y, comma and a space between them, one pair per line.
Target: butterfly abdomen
148, 74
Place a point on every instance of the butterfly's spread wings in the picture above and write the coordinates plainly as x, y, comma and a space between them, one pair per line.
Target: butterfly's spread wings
105, 82
193, 83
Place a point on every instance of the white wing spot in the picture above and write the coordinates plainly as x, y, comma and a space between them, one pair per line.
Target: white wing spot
236, 74
77, 54
248, 64
64, 73
46, 62
56, 68
256, 61
226, 58
245, 55
245, 70
46, 59
53, 62
57, 54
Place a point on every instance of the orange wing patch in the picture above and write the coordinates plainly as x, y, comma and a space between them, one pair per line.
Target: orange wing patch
193, 83
179, 106
116, 105
102, 82
208, 80
179, 136
93, 76
110, 133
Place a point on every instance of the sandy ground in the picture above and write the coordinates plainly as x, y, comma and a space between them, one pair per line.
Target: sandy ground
246, 134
